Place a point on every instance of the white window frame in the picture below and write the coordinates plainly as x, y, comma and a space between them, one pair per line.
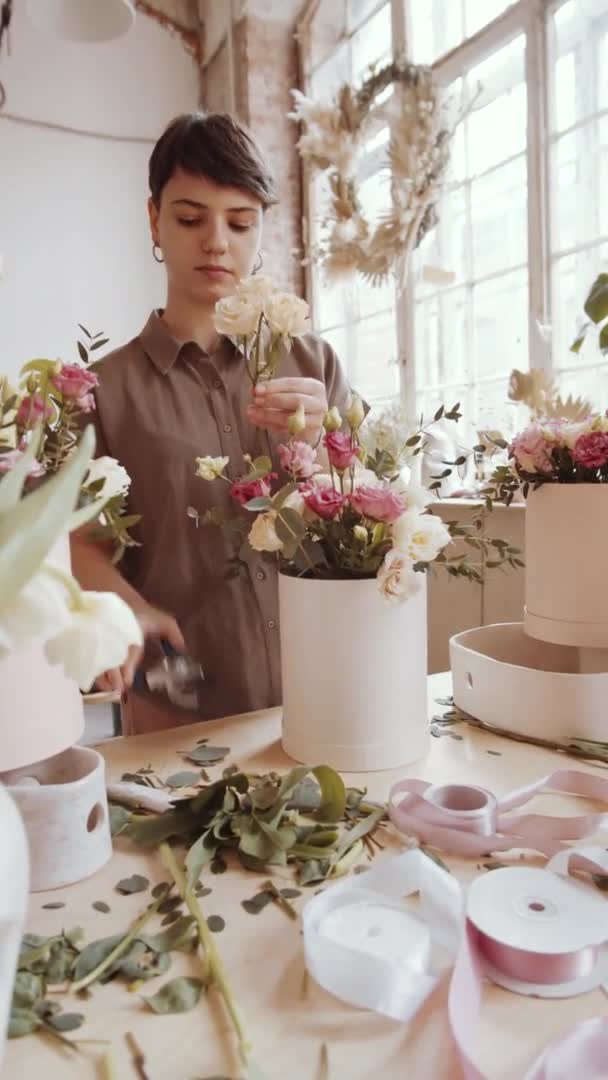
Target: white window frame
529, 17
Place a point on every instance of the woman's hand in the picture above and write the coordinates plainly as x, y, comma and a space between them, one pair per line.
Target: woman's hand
276, 400
155, 624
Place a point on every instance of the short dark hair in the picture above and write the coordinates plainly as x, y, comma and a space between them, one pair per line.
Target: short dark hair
212, 145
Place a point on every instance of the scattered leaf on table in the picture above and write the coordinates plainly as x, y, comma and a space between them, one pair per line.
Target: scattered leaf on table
134, 884
333, 793
93, 954
215, 923
100, 905
182, 779
170, 917
257, 903
22, 1022
179, 995
218, 866
601, 880
170, 903
180, 935
207, 755
202, 890
290, 894
27, 989
199, 855
492, 864
142, 962
66, 1021
119, 818
160, 889
54, 905
495, 753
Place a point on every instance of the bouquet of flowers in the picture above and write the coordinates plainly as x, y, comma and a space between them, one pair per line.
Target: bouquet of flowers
552, 451
85, 632
262, 319
54, 398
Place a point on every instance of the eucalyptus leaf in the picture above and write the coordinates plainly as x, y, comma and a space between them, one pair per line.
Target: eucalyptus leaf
199, 855
179, 995
216, 923
119, 818
100, 905
333, 793
93, 954
207, 755
66, 1021
142, 963
170, 903
182, 779
27, 989
170, 917
54, 905
257, 903
182, 935
22, 1022
134, 884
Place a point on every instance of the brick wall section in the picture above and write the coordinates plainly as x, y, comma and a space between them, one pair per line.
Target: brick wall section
265, 70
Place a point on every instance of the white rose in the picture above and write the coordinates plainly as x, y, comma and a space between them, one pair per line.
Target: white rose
571, 432
295, 501
255, 290
397, 581
116, 480
209, 468
236, 316
422, 535
286, 314
38, 611
263, 535
97, 638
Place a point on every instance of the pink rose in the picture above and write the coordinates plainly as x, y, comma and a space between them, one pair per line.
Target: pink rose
532, 451
74, 381
591, 450
325, 502
86, 403
378, 503
10, 459
298, 459
244, 490
32, 410
340, 450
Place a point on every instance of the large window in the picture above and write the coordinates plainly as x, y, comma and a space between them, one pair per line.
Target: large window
499, 283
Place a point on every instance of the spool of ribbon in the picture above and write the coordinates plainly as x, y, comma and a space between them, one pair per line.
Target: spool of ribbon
467, 820
364, 946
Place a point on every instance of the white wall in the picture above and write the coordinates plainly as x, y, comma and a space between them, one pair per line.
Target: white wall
73, 227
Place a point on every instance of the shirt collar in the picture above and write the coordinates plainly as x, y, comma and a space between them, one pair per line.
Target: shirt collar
162, 348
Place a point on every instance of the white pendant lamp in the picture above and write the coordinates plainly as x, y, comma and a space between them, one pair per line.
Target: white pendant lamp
82, 20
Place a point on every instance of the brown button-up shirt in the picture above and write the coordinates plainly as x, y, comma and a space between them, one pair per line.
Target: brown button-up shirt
160, 404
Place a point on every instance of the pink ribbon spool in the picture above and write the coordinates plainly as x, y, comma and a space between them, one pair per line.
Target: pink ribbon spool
533, 967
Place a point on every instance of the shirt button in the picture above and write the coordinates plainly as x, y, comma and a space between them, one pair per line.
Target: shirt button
217, 384
271, 624
227, 428
260, 575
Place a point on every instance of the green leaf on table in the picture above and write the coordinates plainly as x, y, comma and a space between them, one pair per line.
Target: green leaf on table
66, 1021
333, 794
100, 905
134, 884
257, 903
54, 905
181, 935
361, 829
199, 855
170, 903
179, 995
216, 923
207, 755
186, 778
22, 1022
119, 818
314, 870
160, 889
170, 917
290, 894
151, 831
142, 962
219, 866
27, 989
93, 954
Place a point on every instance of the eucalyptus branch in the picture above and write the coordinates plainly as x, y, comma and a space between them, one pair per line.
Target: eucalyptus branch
214, 965
119, 949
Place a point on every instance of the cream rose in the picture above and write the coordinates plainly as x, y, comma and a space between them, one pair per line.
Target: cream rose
397, 581
116, 480
286, 314
236, 316
263, 534
422, 536
209, 468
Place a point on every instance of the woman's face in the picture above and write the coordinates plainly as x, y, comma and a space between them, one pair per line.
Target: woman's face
209, 235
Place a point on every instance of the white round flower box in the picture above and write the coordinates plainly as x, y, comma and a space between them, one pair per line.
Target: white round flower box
354, 674
515, 682
566, 554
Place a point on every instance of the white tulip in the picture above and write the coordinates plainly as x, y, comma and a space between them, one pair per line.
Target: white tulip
38, 611
100, 630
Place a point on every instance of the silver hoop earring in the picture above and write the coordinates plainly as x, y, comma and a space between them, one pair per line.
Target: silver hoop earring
154, 247
259, 264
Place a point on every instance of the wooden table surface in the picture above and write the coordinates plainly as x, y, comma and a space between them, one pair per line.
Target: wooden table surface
287, 1020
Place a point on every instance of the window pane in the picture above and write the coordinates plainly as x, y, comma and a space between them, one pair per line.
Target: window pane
435, 27
372, 43
500, 324
478, 13
327, 28
577, 48
499, 221
328, 78
375, 370
573, 276
443, 248
358, 10
591, 384
496, 129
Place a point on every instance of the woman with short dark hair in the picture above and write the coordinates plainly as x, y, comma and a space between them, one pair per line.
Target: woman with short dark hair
180, 390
